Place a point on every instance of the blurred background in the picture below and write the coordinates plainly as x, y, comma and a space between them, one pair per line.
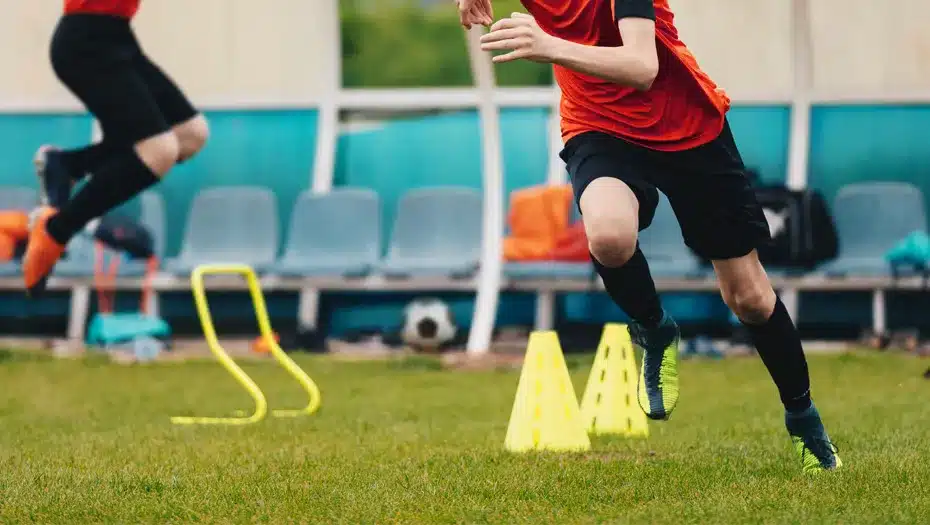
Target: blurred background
830, 100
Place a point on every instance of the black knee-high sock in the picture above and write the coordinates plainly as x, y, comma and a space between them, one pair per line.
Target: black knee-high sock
85, 160
124, 177
632, 288
779, 345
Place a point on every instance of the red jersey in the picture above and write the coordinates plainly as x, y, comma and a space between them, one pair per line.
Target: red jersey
683, 109
121, 8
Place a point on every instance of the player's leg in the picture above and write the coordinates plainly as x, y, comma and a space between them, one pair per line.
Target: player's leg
616, 202
188, 125
92, 57
722, 221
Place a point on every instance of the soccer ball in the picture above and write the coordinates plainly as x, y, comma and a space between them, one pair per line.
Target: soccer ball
428, 324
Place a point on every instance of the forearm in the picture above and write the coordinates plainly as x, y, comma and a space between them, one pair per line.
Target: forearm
620, 65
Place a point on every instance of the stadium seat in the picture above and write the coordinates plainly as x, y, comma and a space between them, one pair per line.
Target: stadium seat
229, 225
548, 270
437, 232
870, 219
664, 248
79, 258
333, 234
18, 198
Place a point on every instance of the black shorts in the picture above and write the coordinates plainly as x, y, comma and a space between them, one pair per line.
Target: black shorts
707, 187
99, 59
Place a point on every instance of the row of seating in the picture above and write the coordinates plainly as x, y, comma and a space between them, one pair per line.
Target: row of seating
437, 232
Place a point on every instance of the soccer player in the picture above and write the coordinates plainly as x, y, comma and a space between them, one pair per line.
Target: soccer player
148, 127
639, 115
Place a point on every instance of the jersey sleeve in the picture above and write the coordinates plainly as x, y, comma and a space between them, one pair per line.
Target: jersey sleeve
634, 9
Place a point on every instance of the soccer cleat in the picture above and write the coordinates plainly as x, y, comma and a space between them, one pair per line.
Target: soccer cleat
811, 443
658, 380
56, 179
42, 253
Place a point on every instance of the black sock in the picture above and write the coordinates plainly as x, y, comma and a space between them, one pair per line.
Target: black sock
779, 345
632, 288
124, 177
85, 160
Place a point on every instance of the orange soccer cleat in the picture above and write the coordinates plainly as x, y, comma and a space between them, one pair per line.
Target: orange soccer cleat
42, 252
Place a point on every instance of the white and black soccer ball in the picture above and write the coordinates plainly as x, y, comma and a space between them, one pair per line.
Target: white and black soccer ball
428, 325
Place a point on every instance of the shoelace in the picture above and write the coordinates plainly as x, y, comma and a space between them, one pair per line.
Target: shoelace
638, 336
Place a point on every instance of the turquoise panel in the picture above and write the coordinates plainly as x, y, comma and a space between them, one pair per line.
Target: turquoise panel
21, 135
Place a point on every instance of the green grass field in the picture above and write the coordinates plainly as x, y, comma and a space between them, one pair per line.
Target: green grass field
404, 442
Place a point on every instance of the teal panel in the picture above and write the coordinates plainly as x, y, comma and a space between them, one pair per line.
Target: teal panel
274, 149
21, 135
762, 134
440, 150
869, 143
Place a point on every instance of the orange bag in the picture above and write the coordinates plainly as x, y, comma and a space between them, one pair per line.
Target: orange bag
572, 245
538, 216
7, 248
14, 224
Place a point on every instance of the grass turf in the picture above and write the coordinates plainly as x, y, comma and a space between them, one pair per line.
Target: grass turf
86, 441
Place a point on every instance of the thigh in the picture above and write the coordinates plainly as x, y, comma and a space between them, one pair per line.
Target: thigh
171, 101
713, 199
592, 156
93, 58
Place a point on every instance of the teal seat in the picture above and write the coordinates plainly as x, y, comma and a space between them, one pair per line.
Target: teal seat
437, 232
664, 248
79, 258
548, 270
236, 224
871, 218
333, 234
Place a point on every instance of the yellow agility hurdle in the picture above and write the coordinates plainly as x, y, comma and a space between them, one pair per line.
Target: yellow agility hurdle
261, 313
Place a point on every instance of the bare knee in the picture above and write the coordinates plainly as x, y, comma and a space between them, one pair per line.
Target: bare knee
192, 136
611, 221
611, 246
752, 304
746, 288
159, 153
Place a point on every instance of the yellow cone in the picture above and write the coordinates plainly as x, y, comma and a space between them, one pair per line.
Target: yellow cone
609, 404
545, 412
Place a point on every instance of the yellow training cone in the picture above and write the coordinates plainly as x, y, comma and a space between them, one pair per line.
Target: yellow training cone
608, 405
545, 412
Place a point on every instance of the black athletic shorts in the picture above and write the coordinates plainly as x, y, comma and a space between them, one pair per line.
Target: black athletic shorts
99, 59
707, 187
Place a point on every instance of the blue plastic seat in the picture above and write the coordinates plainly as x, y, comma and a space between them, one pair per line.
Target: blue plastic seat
18, 198
333, 234
79, 258
437, 232
664, 248
870, 219
548, 270
229, 225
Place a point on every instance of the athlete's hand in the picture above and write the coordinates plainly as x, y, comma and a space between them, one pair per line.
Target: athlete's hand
522, 36
475, 12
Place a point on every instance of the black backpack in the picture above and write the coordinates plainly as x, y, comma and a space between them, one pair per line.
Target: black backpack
802, 229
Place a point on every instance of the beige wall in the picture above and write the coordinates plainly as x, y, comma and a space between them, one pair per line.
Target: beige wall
227, 50
745, 45
26, 77
220, 51
871, 46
